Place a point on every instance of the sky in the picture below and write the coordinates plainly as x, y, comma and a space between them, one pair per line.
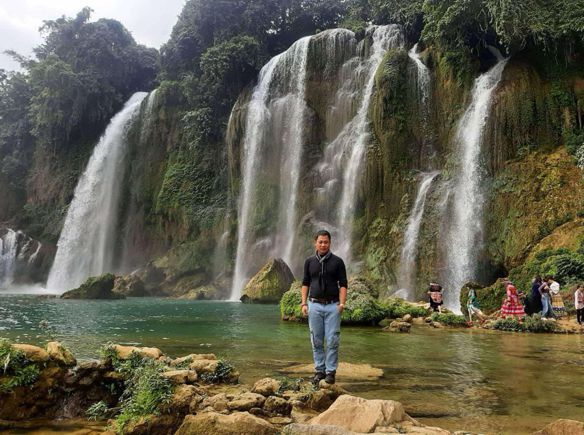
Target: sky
149, 21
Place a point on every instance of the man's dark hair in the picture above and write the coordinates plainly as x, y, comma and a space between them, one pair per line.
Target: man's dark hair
322, 233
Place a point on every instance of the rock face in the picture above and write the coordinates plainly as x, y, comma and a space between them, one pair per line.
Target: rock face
60, 354
238, 423
97, 287
269, 284
562, 427
130, 285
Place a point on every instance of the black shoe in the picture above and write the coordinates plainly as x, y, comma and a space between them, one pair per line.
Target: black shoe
330, 378
318, 376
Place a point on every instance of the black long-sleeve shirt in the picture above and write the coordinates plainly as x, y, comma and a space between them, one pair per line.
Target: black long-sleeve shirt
326, 286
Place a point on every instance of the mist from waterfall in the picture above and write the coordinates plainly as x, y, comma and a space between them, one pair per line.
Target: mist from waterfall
407, 266
87, 241
465, 226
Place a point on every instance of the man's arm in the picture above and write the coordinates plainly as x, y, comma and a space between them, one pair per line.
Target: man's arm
305, 284
343, 284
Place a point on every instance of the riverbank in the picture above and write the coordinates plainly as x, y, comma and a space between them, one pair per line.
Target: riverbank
134, 390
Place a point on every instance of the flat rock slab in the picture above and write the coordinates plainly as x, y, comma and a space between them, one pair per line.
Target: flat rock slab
345, 371
562, 427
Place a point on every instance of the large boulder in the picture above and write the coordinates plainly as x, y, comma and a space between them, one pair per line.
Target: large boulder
130, 285
96, 287
238, 423
562, 427
32, 353
60, 354
367, 416
269, 284
125, 352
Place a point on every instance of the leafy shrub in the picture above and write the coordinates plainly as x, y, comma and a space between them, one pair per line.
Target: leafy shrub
17, 369
362, 308
144, 392
97, 410
449, 319
509, 324
222, 373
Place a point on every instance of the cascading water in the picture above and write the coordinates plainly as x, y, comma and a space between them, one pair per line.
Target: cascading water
423, 78
464, 237
86, 244
275, 118
407, 267
8, 254
344, 155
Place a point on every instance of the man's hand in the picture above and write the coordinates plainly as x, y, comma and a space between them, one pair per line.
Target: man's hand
304, 310
340, 307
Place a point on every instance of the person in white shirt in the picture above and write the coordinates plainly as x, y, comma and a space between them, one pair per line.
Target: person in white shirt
557, 302
579, 303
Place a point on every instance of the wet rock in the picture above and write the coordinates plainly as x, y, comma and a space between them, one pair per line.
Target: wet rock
124, 352
182, 399
129, 285
437, 325
153, 425
181, 376
277, 405
398, 326
246, 401
361, 415
59, 353
204, 366
269, 284
192, 357
96, 287
345, 371
562, 427
32, 353
266, 387
238, 423
408, 318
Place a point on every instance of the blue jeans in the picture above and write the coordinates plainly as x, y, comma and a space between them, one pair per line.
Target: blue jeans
546, 302
325, 324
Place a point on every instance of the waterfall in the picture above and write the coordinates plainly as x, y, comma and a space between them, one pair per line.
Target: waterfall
344, 155
86, 244
464, 234
407, 267
423, 78
274, 125
8, 253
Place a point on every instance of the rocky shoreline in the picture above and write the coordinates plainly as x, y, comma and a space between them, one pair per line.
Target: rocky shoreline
139, 390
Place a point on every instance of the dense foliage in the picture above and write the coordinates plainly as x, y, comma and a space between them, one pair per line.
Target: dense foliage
17, 370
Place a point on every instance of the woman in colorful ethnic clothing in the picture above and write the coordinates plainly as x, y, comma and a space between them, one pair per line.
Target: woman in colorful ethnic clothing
579, 303
511, 305
435, 294
557, 302
472, 306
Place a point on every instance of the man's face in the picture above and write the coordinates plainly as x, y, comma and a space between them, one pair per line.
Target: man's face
322, 244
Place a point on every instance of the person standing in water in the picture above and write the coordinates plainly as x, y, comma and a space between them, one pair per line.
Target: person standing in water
324, 292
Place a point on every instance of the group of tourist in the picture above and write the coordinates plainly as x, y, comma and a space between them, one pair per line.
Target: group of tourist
545, 299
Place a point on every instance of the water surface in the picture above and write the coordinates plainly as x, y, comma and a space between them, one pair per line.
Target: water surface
475, 380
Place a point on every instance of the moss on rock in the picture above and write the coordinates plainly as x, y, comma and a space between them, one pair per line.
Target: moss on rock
269, 284
96, 287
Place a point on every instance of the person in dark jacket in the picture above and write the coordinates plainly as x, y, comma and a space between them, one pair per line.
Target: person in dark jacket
533, 304
324, 292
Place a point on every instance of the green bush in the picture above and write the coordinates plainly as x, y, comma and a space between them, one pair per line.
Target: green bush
531, 324
396, 308
221, 374
449, 319
509, 324
17, 370
290, 303
97, 411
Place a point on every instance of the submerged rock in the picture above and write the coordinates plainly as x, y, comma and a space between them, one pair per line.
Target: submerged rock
96, 287
562, 427
269, 284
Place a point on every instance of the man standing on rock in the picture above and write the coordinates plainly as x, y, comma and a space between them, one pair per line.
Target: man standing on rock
324, 292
